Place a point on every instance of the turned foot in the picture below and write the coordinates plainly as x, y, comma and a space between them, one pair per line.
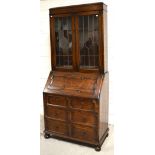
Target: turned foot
98, 148
46, 135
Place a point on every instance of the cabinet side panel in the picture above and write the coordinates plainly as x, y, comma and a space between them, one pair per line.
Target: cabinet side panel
52, 39
105, 43
104, 106
44, 100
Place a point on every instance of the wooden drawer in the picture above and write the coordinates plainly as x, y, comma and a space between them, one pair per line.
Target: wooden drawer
85, 104
56, 126
57, 100
83, 133
83, 117
55, 112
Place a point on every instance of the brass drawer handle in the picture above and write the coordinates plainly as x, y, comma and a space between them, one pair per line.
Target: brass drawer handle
57, 127
56, 114
83, 133
82, 104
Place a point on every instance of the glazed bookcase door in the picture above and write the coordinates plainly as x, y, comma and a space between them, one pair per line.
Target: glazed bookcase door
88, 40
63, 42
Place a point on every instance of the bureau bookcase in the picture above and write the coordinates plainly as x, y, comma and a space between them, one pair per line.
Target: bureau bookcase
76, 92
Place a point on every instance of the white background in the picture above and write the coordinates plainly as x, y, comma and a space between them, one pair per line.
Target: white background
131, 42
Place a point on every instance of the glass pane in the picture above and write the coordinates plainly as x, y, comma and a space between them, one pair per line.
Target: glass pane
63, 39
88, 33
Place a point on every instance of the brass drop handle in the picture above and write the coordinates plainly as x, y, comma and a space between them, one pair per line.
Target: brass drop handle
56, 114
82, 102
83, 133
69, 102
78, 91
56, 127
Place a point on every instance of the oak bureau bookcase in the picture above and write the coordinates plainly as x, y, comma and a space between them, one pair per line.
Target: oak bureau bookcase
76, 92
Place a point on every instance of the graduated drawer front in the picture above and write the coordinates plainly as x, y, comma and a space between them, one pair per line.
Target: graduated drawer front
85, 104
83, 117
56, 112
56, 126
83, 133
57, 100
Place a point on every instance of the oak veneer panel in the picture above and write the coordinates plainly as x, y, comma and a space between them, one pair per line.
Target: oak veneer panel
56, 126
84, 104
83, 133
83, 117
56, 100
74, 84
56, 113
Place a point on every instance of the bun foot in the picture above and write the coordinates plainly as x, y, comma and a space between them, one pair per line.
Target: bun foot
98, 148
46, 135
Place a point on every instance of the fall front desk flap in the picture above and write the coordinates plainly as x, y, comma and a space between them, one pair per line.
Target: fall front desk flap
74, 83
